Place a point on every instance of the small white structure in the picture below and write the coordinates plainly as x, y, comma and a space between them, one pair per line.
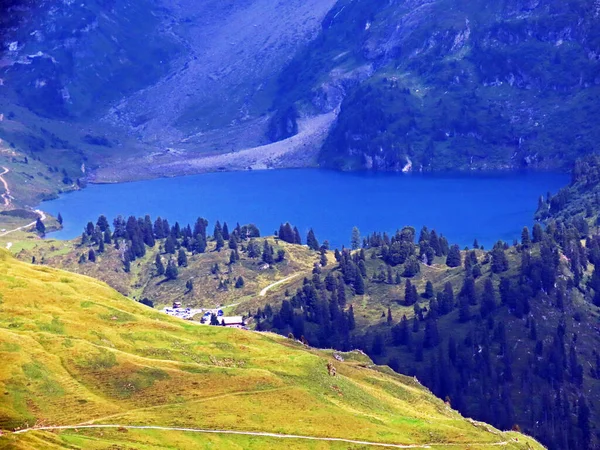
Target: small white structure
232, 321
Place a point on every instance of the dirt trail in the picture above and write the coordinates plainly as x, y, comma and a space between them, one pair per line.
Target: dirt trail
29, 225
6, 195
251, 433
271, 286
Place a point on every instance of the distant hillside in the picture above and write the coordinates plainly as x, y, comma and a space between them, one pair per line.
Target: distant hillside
105, 82
579, 201
414, 85
75, 352
453, 84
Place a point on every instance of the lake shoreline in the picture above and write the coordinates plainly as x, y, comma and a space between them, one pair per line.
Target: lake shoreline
462, 206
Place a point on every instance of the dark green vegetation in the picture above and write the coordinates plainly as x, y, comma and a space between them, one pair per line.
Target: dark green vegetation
453, 84
580, 201
508, 335
157, 263
76, 352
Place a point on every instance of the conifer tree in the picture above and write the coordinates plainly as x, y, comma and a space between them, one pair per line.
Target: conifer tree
170, 245
239, 283
217, 229
351, 322
160, 268
59, 219
411, 267
447, 304
429, 294
158, 229
286, 233
538, 233
182, 258
102, 223
225, 231
323, 259
525, 239
488, 301
432, 336
453, 259
171, 272
92, 255
267, 254
40, 227
355, 240
297, 238
410, 294
89, 228
397, 279
200, 244
280, 255
311, 240
499, 260
359, 285
189, 285
220, 242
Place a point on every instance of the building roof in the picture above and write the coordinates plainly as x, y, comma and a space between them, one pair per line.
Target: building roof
232, 320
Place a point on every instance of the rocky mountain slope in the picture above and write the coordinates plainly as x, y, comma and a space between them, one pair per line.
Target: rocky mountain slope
446, 84
454, 84
156, 78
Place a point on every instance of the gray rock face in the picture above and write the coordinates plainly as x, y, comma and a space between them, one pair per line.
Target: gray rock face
163, 71
447, 83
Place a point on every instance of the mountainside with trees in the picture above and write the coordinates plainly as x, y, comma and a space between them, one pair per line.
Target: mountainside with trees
75, 352
161, 263
453, 84
579, 201
508, 335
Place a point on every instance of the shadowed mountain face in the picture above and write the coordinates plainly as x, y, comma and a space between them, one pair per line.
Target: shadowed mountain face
421, 85
164, 70
455, 84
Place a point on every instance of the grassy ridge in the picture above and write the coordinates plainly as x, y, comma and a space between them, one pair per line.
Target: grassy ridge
75, 351
143, 282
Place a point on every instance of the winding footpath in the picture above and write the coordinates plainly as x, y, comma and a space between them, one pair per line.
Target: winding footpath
6, 195
7, 203
253, 433
271, 286
29, 225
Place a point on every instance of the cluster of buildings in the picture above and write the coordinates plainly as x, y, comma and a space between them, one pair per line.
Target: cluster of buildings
189, 313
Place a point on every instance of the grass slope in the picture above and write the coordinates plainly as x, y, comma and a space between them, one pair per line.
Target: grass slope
74, 351
143, 282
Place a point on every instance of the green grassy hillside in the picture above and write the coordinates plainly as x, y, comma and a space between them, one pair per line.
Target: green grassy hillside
485, 332
209, 289
76, 352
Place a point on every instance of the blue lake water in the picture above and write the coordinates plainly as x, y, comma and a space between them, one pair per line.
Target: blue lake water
462, 207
